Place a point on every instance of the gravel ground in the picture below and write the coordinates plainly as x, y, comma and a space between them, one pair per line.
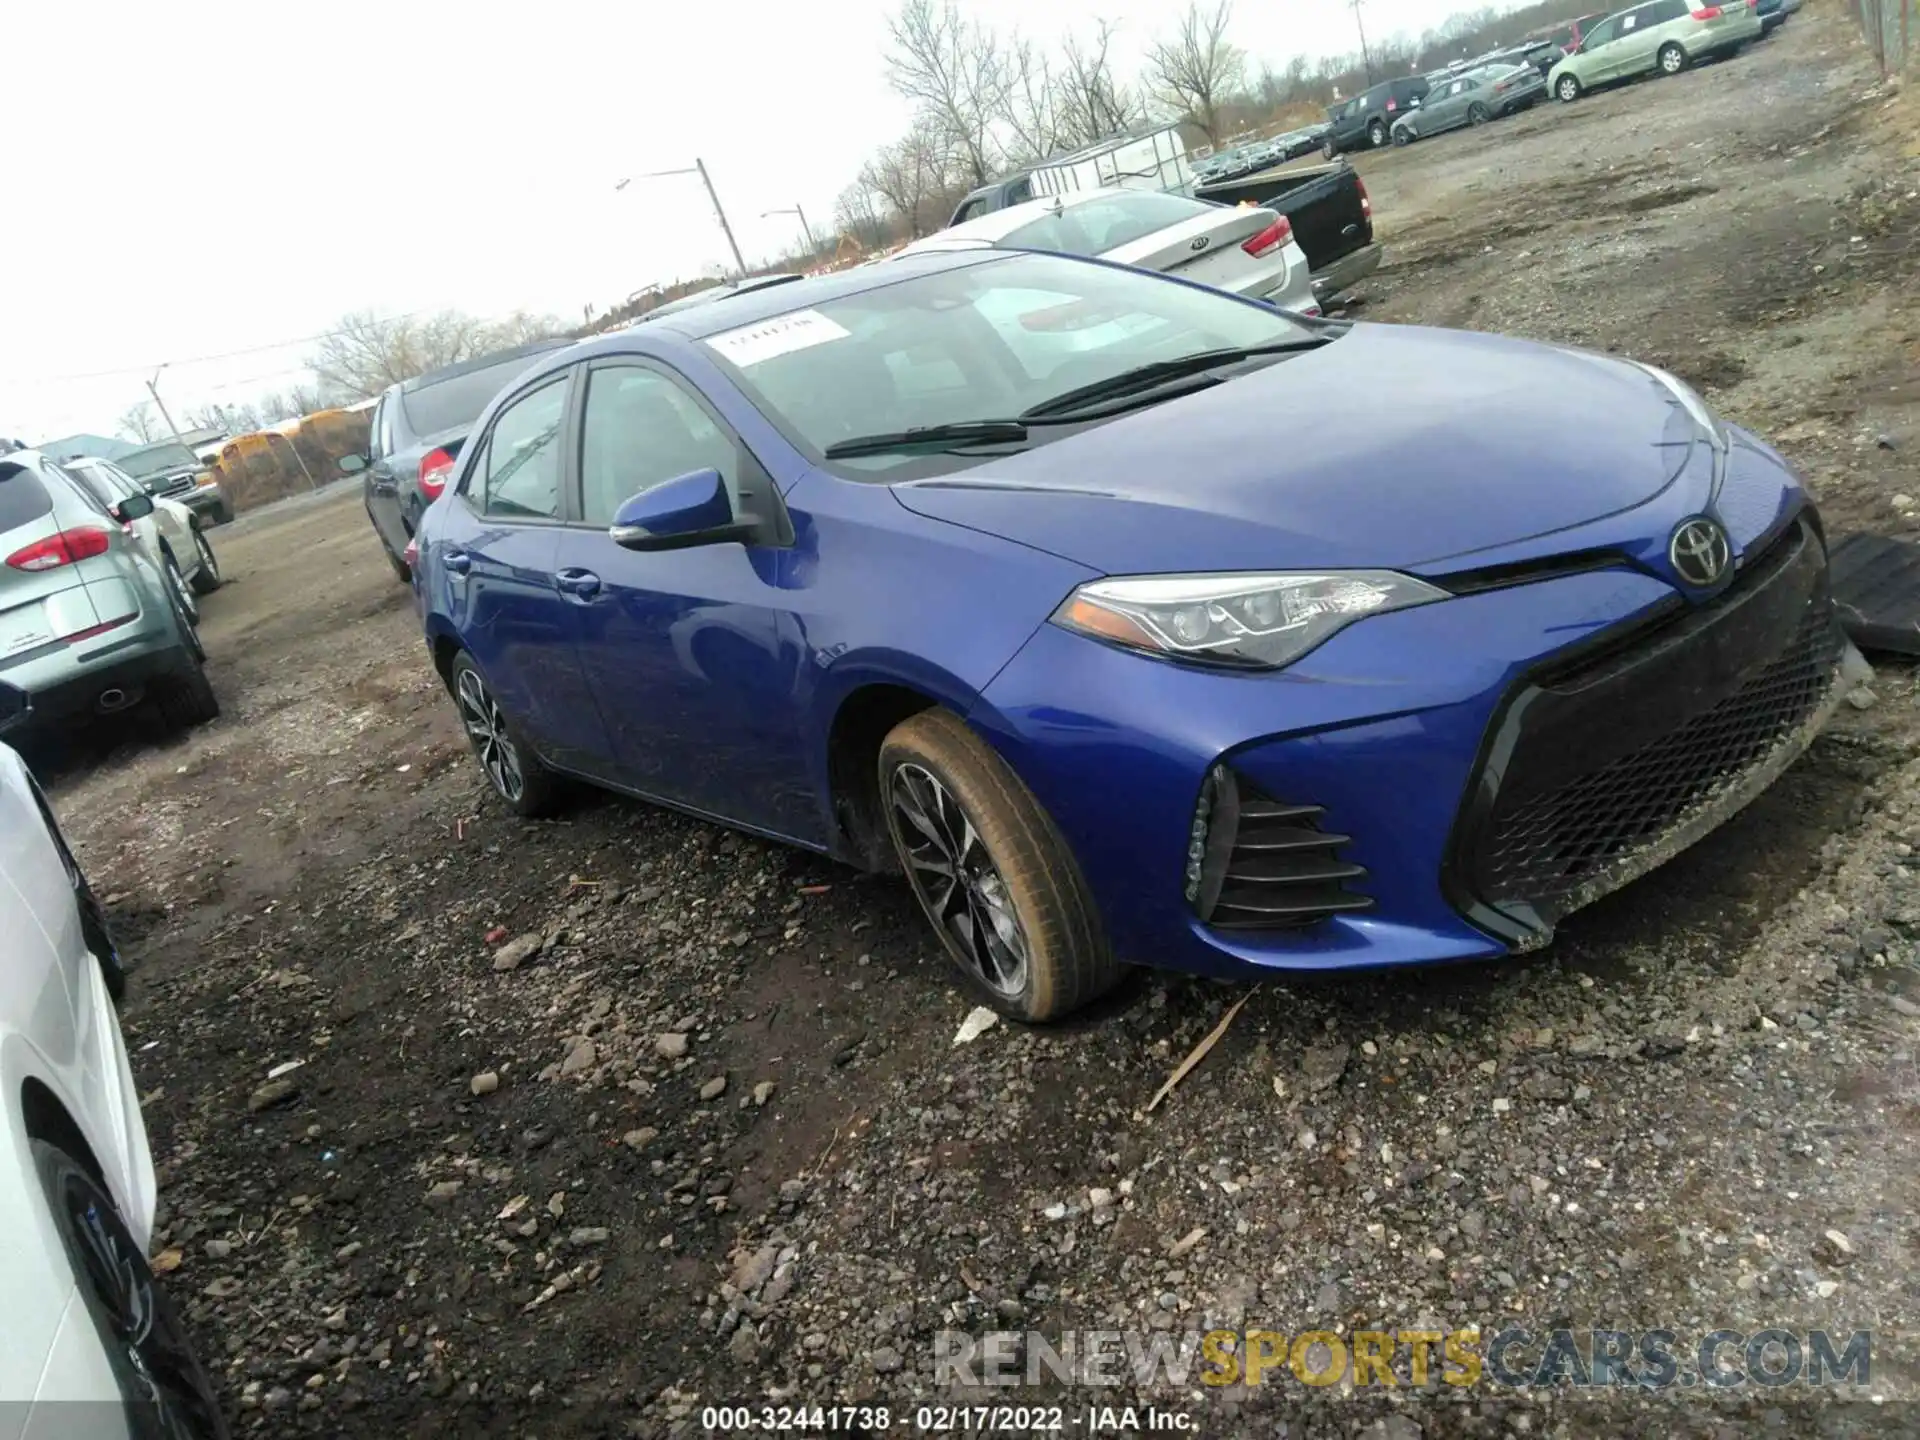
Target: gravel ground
601, 1121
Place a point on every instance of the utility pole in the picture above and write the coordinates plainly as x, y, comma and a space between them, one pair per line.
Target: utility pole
1365, 58
725, 228
153, 389
794, 209
699, 167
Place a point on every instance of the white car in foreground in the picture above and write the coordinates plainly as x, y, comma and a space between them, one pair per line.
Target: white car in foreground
1243, 249
89, 1346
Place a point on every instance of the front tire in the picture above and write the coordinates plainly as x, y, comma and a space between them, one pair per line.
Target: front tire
1568, 89
162, 1384
523, 784
1477, 114
207, 578
991, 872
1403, 136
182, 592
1672, 59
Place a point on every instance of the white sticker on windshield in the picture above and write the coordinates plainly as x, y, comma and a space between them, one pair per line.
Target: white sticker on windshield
781, 335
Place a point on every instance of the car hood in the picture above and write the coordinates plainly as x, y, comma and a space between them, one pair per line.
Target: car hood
1394, 446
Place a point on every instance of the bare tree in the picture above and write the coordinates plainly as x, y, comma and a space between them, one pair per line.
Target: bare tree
138, 422
955, 70
1093, 102
856, 214
912, 175
1033, 102
364, 353
1198, 68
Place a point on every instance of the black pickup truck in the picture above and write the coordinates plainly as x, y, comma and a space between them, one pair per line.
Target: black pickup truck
1332, 218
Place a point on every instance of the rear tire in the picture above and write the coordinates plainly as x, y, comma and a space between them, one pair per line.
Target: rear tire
991, 872
518, 778
207, 578
161, 1382
184, 698
1673, 59
1328, 149
1377, 133
182, 592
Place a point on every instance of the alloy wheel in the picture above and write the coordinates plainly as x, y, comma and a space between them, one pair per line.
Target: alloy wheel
1671, 60
184, 593
207, 561
1569, 88
486, 726
956, 879
163, 1379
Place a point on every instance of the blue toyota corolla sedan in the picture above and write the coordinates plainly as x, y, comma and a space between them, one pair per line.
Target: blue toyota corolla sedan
1134, 622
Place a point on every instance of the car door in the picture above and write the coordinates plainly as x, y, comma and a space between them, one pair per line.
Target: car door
1444, 108
1633, 51
1597, 51
498, 552
382, 486
688, 651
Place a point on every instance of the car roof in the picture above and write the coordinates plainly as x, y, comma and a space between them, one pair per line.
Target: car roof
482, 362
718, 292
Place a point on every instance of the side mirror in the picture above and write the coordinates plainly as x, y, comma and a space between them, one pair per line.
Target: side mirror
352, 464
688, 510
134, 507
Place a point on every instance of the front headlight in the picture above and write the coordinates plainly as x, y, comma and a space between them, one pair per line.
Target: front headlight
1710, 424
1258, 621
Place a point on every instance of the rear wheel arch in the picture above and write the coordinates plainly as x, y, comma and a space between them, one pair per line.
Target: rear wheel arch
46, 1118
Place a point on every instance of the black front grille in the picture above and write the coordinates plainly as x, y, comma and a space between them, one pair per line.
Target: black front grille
1282, 870
1593, 767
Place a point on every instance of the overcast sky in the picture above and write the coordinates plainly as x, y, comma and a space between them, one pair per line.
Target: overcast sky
205, 177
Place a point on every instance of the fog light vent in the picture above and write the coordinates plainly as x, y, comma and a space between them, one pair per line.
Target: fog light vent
1254, 862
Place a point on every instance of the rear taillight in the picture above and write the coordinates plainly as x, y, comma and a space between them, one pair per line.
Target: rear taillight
69, 547
1366, 201
435, 471
1709, 12
1269, 239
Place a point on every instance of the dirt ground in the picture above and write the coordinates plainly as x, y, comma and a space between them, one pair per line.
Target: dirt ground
707, 1138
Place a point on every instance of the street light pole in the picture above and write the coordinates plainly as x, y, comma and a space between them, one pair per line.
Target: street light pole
699, 167
153, 389
794, 209
1365, 58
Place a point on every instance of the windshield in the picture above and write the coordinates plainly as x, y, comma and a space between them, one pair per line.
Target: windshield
1106, 223
158, 460
458, 400
982, 341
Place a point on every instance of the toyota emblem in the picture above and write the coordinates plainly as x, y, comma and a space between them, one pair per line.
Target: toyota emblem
1200, 242
1699, 552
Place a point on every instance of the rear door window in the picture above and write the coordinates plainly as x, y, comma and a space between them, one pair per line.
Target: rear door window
23, 499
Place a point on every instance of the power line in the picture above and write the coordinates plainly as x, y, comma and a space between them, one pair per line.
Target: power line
197, 359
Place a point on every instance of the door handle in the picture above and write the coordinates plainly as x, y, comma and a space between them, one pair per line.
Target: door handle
457, 562
578, 584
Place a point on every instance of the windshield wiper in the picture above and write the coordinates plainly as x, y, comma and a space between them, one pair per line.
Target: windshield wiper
959, 432
1145, 377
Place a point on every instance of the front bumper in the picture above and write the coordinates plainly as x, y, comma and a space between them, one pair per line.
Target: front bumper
1338, 276
1390, 731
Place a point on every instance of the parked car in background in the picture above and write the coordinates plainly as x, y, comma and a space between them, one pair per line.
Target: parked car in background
1568, 36
1330, 213
171, 469
89, 625
1367, 119
1660, 36
1226, 165
1124, 617
93, 1345
1772, 13
1471, 99
1154, 159
171, 535
1242, 249
416, 434
1295, 143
